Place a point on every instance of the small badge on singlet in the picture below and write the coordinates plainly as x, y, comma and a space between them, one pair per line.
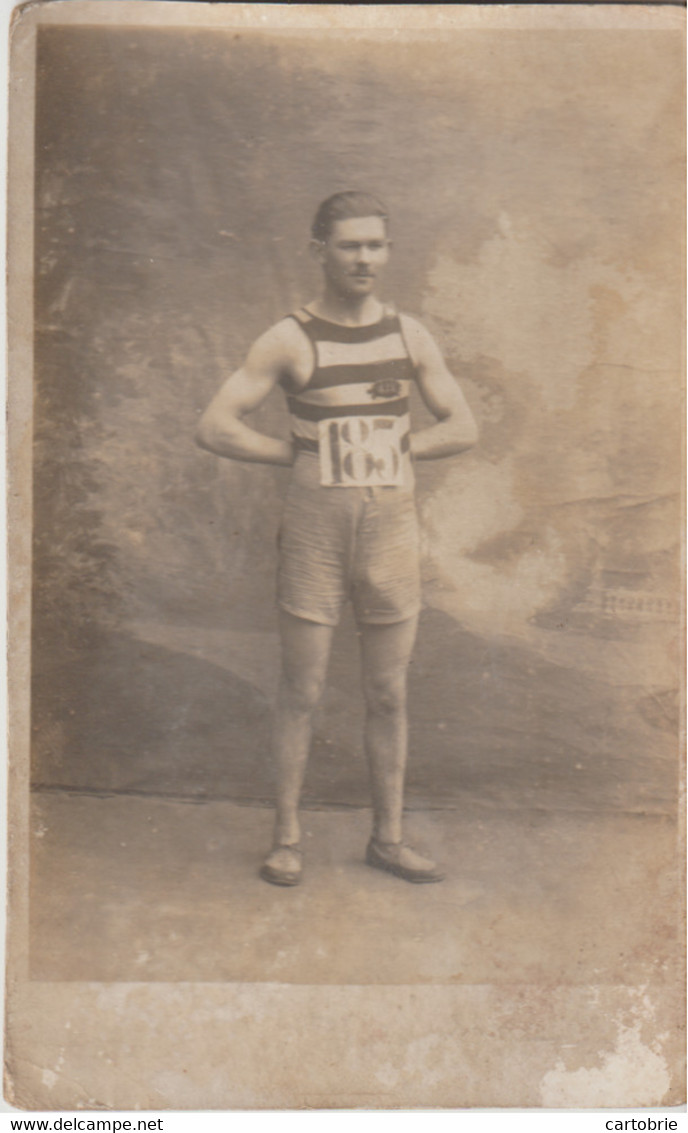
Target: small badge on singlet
362, 452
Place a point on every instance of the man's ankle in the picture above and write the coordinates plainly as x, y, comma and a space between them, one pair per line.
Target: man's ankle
287, 833
387, 835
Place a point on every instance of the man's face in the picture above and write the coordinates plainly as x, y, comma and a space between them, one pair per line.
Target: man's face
354, 254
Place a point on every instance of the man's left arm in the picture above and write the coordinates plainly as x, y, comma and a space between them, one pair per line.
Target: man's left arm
455, 429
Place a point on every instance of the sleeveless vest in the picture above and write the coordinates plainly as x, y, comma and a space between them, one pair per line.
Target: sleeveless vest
359, 372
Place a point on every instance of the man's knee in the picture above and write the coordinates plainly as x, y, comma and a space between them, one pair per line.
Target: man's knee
301, 692
386, 693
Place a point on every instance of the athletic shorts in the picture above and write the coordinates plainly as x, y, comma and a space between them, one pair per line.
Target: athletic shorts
337, 544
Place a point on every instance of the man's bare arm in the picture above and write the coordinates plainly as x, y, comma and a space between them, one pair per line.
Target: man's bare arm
222, 429
455, 429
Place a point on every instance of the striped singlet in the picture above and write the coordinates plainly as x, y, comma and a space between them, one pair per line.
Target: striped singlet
354, 411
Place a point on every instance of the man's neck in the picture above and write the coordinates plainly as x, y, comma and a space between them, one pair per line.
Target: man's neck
338, 309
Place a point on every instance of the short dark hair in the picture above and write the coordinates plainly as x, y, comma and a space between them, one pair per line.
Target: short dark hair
342, 206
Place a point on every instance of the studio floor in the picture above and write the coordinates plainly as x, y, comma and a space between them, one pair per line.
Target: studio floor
129, 888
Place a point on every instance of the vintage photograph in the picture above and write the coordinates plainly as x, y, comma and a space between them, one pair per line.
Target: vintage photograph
347, 423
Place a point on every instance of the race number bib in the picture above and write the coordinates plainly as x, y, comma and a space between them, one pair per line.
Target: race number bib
360, 452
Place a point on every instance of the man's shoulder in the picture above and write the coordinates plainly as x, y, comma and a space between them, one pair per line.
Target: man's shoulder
282, 341
416, 335
411, 323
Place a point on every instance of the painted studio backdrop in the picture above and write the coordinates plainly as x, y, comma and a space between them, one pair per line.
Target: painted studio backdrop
531, 183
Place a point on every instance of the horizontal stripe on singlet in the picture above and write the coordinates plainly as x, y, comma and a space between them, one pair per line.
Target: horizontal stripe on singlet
320, 329
324, 412
306, 444
388, 348
358, 393
395, 369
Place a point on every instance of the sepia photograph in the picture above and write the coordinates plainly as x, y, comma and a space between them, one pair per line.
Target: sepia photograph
345, 496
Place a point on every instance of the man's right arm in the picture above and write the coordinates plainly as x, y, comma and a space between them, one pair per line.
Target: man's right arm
222, 429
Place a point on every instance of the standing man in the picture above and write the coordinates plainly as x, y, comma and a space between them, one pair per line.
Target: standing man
346, 363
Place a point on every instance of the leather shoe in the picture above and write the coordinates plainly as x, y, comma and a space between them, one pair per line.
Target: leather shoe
282, 866
402, 861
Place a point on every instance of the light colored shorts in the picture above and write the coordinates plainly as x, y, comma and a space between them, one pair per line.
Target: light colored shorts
341, 543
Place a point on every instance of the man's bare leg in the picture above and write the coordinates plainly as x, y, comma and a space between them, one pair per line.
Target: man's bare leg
385, 655
305, 654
